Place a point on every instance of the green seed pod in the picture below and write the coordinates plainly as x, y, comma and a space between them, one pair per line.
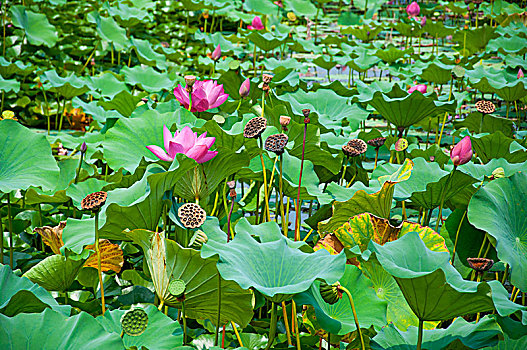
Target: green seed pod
134, 322
330, 292
177, 288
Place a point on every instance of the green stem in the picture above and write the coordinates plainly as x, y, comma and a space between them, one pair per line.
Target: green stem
98, 251
344, 167
281, 194
62, 114
254, 60
446, 113
345, 290
79, 168
272, 327
239, 104
184, 322
443, 194
10, 223
457, 235
219, 312
263, 103
420, 335
1, 241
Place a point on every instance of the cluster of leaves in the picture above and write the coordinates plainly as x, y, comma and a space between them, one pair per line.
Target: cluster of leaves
394, 226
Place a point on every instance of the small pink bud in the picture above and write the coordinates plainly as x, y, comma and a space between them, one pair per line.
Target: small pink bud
462, 152
520, 73
245, 88
413, 9
216, 54
423, 21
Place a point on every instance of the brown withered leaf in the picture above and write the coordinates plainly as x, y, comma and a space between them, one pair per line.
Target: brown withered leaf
52, 236
111, 256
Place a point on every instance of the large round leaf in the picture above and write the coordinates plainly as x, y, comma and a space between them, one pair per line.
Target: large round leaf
55, 273
500, 209
161, 332
273, 268
19, 168
338, 318
53, 330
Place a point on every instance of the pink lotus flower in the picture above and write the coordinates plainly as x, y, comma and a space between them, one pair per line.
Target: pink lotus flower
216, 54
256, 24
420, 87
279, 3
205, 95
245, 88
413, 9
186, 142
423, 21
462, 152
520, 73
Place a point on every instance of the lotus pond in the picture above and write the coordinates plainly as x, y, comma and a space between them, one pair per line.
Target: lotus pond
259, 174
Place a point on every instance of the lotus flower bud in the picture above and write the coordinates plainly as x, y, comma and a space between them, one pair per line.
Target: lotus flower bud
413, 9
83, 148
423, 21
245, 88
520, 73
190, 80
216, 54
462, 152
284, 120
330, 293
256, 24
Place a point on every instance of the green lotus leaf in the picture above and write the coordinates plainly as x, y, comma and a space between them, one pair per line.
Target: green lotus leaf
147, 78
53, 330
480, 171
473, 40
338, 318
508, 45
437, 72
19, 295
478, 123
146, 54
130, 16
123, 102
471, 335
362, 228
438, 29
266, 232
304, 7
36, 26
406, 111
433, 288
19, 168
497, 145
322, 62
108, 84
392, 54
263, 7
498, 208
68, 87
8, 68
514, 333
167, 261
266, 41
125, 143
365, 60
161, 332
55, 273
109, 30
7, 85
273, 268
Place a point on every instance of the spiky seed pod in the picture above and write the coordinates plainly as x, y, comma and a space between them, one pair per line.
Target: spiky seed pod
485, 107
267, 78
191, 215
177, 288
350, 151
480, 264
254, 127
276, 143
377, 142
359, 145
94, 201
134, 322
331, 293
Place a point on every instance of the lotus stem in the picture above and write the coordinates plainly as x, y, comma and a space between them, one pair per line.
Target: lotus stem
457, 235
272, 327
62, 114
286, 323
79, 168
91, 55
265, 183
239, 104
2, 241
10, 225
298, 208
184, 318
257, 202
237, 334
219, 312
446, 113
281, 196
160, 306
254, 60
263, 104
230, 233
443, 194
190, 101
98, 251
344, 167
345, 290
420, 335
376, 157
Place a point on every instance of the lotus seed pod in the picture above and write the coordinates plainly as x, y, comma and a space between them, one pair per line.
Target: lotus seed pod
284, 120
359, 145
377, 142
177, 288
485, 107
276, 143
306, 112
191, 215
189, 80
480, 264
267, 78
330, 292
134, 322
350, 151
254, 127
401, 145
94, 201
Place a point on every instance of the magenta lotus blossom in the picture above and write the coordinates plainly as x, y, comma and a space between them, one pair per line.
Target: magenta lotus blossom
216, 54
186, 142
245, 88
462, 152
256, 24
420, 87
520, 73
205, 95
413, 9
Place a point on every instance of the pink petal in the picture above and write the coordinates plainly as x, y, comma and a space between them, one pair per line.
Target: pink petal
159, 153
167, 136
175, 148
207, 141
181, 95
186, 138
197, 152
222, 98
208, 156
